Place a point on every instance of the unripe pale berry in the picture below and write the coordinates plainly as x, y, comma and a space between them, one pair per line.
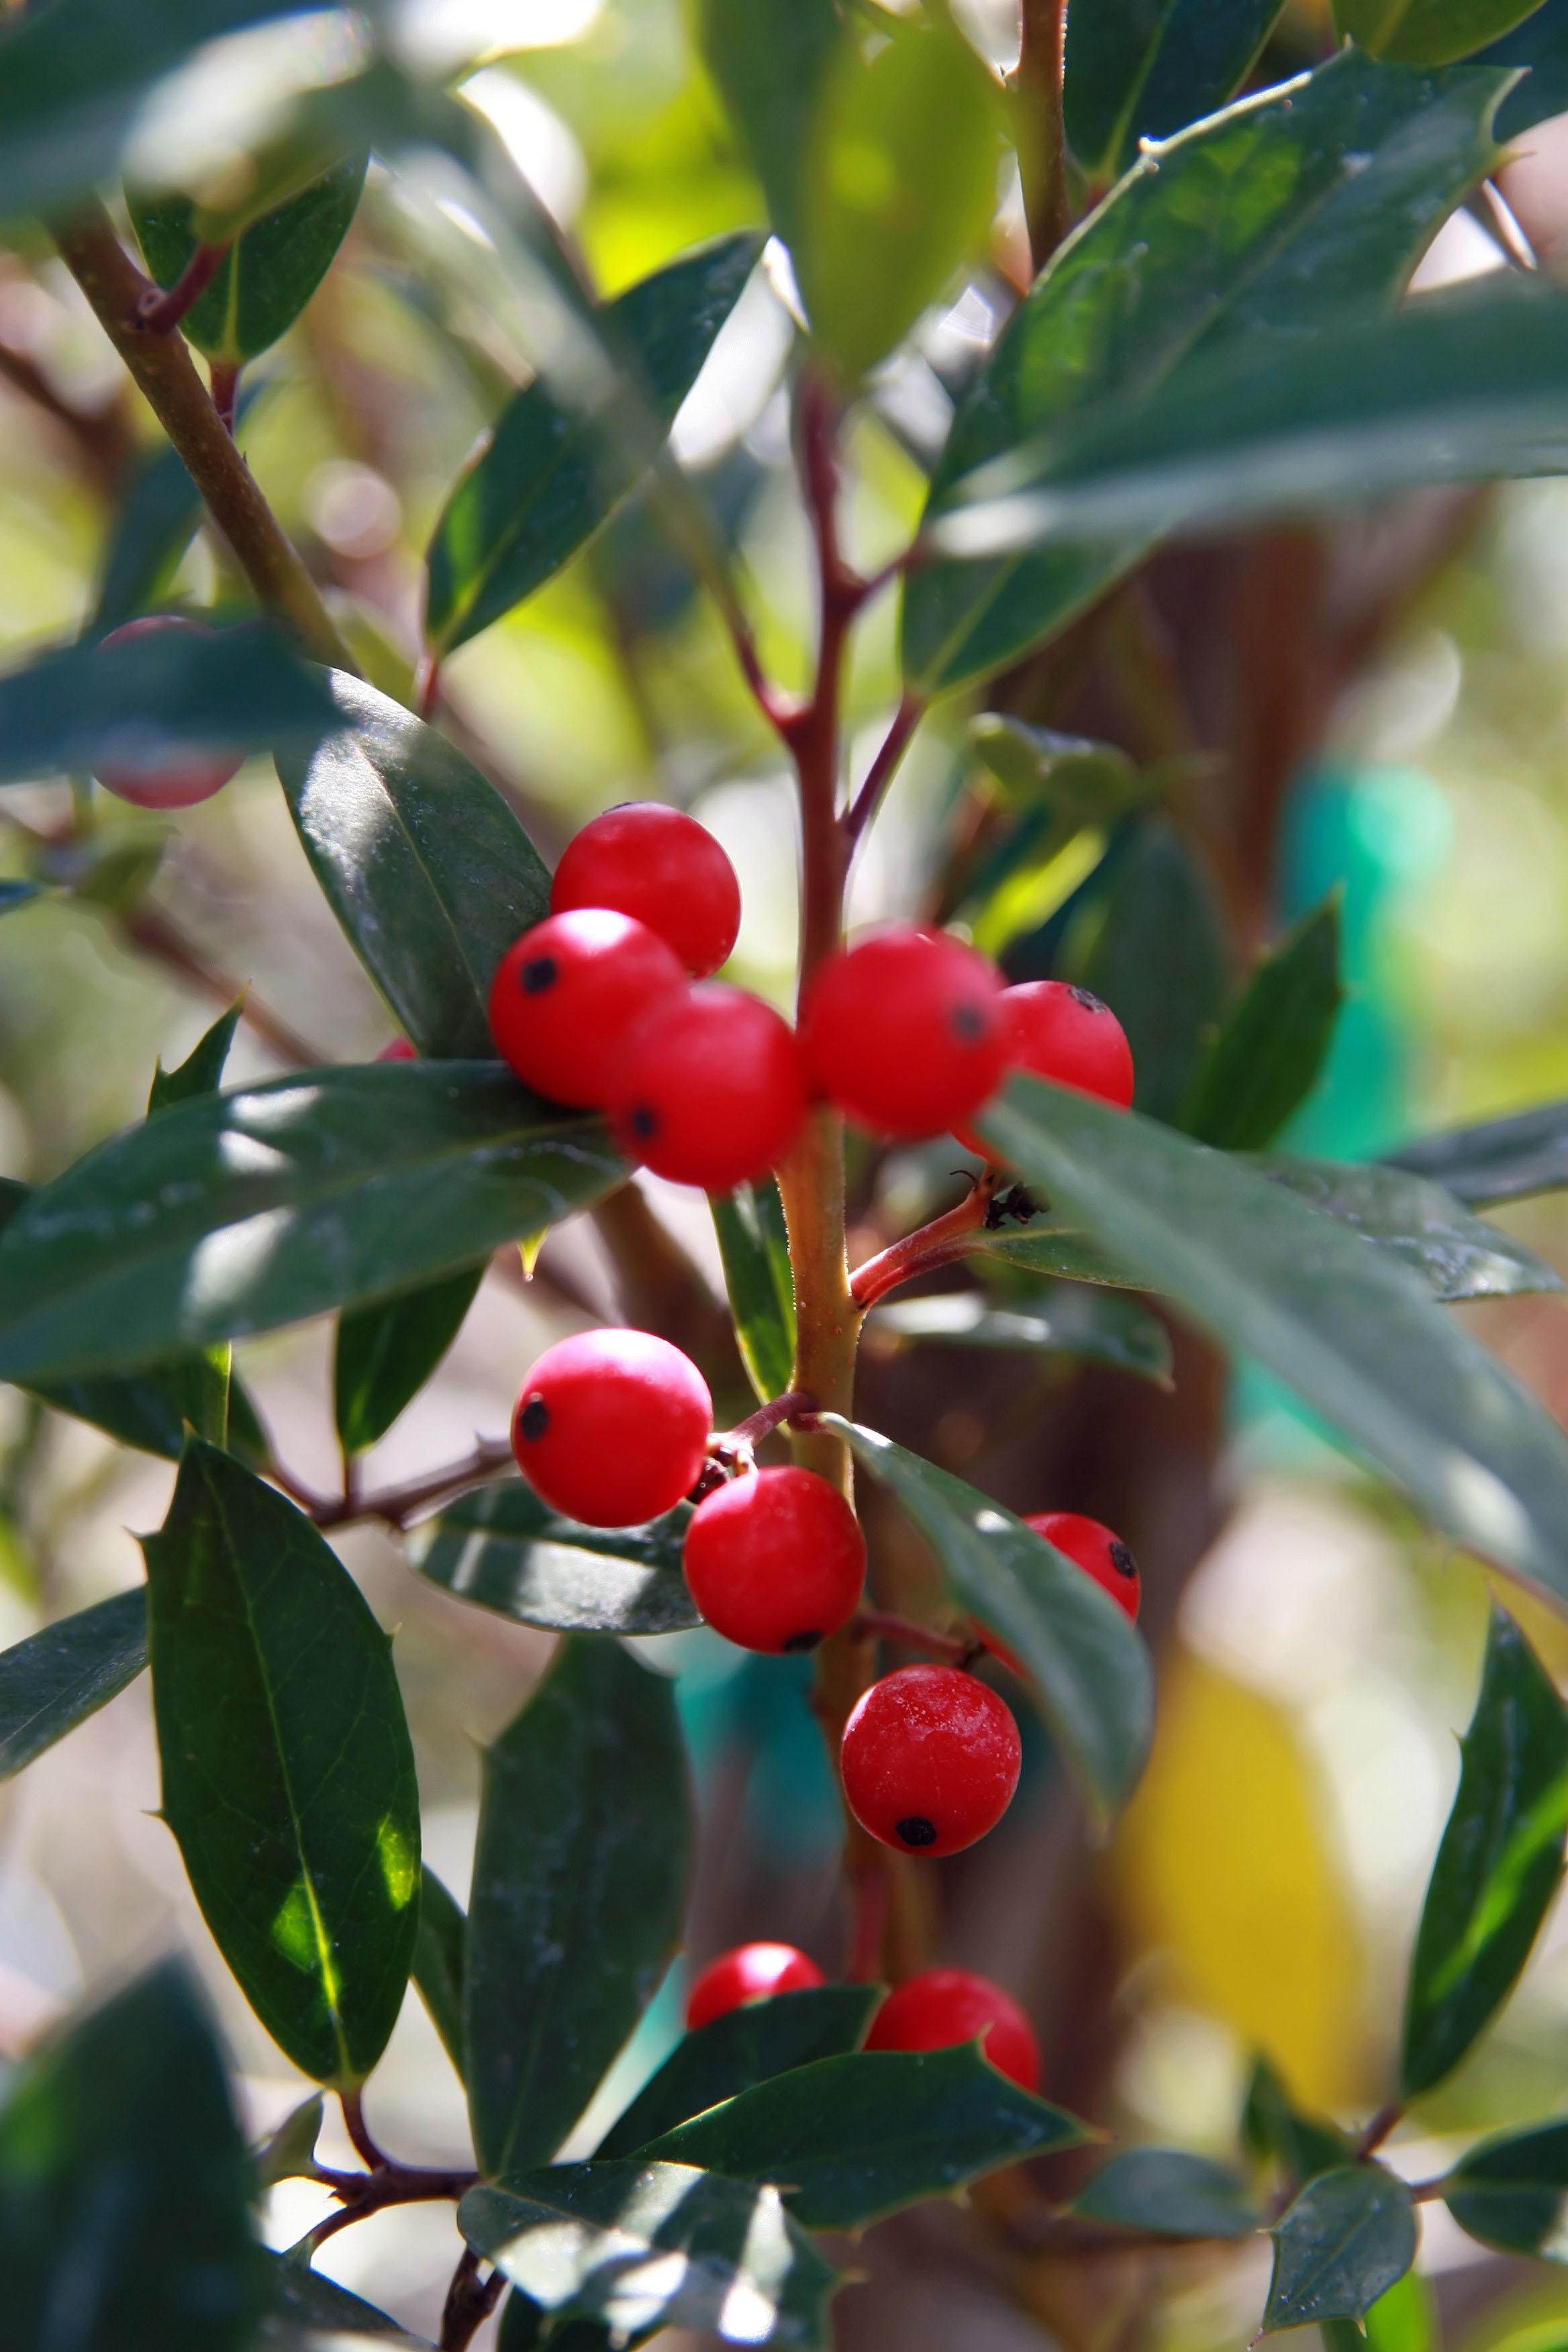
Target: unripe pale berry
568, 992
400, 1050
904, 1032
1099, 1550
710, 1088
930, 1759
750, 1972
612, 1427
166, 780
1064, 1034
661, 866
942, 2005
775, 1559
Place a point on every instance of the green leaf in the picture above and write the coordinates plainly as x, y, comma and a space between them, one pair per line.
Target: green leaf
201, 1073
579, 1884
1428, 32
290, 2152
503, 1548
1539, 46
1500, 1159
552, 474
1089, 1670
438, 1967
1406, 2318
644, 2246
1066, 1318
1084, 782
1046, 1242
1161, 959
269, 273
754, 1246
1349, 2236
385, 1354
1169, 2192
1274, 2129
287, 1765
1253, 231
55, 1679
1139, 69
1510, 2191
745, 2046
1267, 1056
1408, 1218
424, 865
308, 2304
152, 1409
850, 2140
1352, 1331
768, 59
125, 2184
239, 1213
1499, 1863
157, 518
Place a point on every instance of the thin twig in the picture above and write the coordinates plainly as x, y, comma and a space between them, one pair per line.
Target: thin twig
877, 1625
398, 1507
883, 768
469, 2302
157, 935
365, 2147
159, 312
949, 1236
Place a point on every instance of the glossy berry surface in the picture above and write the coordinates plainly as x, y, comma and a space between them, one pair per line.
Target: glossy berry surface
750, 1972
1098, 1551
612, 1427
1068, 1036
661, 866
567, 994
166, 781
933, 2011
710, 1088
904, 1032
775, 1559
930, 1759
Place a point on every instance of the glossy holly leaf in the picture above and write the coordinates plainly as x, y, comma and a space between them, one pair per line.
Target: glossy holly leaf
438, 1966
385, 1354
287, 1771
1456, 1254
1066, 1318
1166, 1001
1539, 46
125, 2184
1510, 2191
754, 1246
579, 1886
768, 59
1268, 1053
239, 1213
550, 474
1498, 1865
744, 2047
424, 865
1089, 1668
1132, 71
1352, 1331
201, 1073
1500, 1159
1345, 2242
1171, 2192
1249, 235
850, 2140
152, 1409
55, 1679
645, 2246
270, 272
1428, 32
306, 2305
505, 1550
1275, 2130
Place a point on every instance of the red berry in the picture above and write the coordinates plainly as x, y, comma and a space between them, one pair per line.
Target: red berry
166, 780
661, 866
612, 1427
1098, 1551
711, 1089
930, 1759
905, 1032
948, 2005
1064, 1034
750, 1972
566, 994
775, 1560
400, 1050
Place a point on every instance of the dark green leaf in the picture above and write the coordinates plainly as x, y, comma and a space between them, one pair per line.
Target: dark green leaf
125, 2185
745, 2046
424, 865
1456, 1254
241, 1211
1090, 1669
1428, 32
1349, 1328
385, 1354
1541, 47
1050, 1243
1143, 68
1344, 2242
505, 1550
437, 1969
287, 1766
55, 1679
152, 1410
1173, 2193
201, 1073
754, 1246
1065, 1318
306, 2303
550, 475
1510, 2191
1161, 959
644, 2246
1274, 2129
768, 58
579, 1886
158, 517
848, 2139
270, 272
1275, 1038
1498, 1865
289, 2153
1500, 1159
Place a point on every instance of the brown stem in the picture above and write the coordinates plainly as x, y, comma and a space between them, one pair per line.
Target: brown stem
396, 1506
767, 1418
157, 312
223, 377
1387, 2119
877, 1625
1042, 144
469, 2302
365, 2147
949, 1236
883, 768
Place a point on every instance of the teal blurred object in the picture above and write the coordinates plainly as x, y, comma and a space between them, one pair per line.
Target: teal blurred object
755, 1714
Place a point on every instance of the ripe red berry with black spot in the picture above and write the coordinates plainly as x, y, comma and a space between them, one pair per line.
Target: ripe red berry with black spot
567, 994
930, 1759
661, 866
165, 780
943, 2006
612, 1427
775, 1560
1099, 1550
904, 1032
709, 1089
750, 1972
1062, 1032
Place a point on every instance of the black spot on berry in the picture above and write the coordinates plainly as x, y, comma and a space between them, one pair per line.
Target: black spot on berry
1121, 1560
534, 1418
1087, 998
915, 1829
802, 1641
538, 973
967, 1021
644, 1122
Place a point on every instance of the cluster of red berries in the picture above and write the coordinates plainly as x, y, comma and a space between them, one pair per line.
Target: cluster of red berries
931, 2012
162, 782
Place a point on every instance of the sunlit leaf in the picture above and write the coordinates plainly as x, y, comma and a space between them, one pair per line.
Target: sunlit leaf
270, 272
1408, 1218
1133, 72
754, 1247
506, 1550
1428, 32
768, 58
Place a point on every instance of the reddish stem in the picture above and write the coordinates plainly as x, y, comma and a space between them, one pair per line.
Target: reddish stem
937, 1245
469, 2302
789, 1407
883, 768
159, 312
224, 383
875, 1624
365, 2147
396, 1505
426, 685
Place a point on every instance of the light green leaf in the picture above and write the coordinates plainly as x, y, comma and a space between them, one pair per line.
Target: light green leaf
1346, 2240
270, 272
768, 58
753, 1243
290, 2152
1085, 782
1065, 1318
55, 1679
503, 1548
1428, 32
1139, 69
1266, 1057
